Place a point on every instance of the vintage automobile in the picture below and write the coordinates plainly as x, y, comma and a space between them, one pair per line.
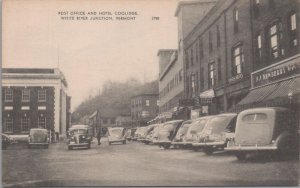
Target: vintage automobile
143, 137
38, 137
139, 131
6, 140
116, 134
213, 136
80, 136
167, 133
177, 141
267, 130
153, 136
195, 128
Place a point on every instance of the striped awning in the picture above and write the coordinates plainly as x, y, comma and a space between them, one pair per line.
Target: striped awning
277, 91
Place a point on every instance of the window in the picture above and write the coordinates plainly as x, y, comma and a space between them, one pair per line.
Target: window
197, 82
197, 54
25, 124
180, 75
42, 122
157, 102
210, 42
235, 20
258, 47
201, 49
256, 8
8, 95
193, 84
293, 29
238, 59
186, 59
8, 124
201, 79
218, 36
147, 103
188, 85
274, 39
25, 94
42, 95
192, 57
254, 117
219, 70
212, 75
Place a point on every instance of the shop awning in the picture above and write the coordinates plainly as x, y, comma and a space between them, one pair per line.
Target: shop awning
278, 91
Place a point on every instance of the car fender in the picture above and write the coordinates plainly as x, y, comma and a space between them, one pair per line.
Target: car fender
283, 141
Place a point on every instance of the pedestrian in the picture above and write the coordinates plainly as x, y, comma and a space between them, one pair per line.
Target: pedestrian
99, 136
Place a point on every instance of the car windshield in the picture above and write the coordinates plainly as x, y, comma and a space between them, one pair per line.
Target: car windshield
216, 125
38, 131
77, 131
198, 125
115, 131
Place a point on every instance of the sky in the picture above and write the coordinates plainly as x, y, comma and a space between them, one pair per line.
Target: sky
88, 52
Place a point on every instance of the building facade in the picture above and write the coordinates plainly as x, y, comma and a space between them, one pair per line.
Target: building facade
33, 98
234, 39
144, 107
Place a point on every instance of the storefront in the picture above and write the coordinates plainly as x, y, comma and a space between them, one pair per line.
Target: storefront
277, 85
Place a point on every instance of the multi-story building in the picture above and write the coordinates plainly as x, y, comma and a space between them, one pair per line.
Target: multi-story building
170, 81
234, 39
34, 98
144, 107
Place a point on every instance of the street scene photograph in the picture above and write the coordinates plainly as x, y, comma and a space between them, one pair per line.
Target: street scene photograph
194, 93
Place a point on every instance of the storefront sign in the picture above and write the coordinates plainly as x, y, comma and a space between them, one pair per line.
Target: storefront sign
235, 78
275, 73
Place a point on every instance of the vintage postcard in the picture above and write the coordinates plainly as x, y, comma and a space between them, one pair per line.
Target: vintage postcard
102, 93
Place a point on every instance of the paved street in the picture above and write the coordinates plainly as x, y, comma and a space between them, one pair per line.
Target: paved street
139, 164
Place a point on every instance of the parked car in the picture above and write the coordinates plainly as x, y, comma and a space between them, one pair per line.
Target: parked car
80, 136
38, 137
128, 134
177, 141
269, 129
144, 134
139, 131
116, 134
167, 133
154, 134
195, 128
213, 135
6, 140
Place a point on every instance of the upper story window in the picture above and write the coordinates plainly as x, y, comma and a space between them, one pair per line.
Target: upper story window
41, 95
210, 42
147, 103
293, 29
274, 40
193, 84
212, 75
8, 124
219, 69
197, 54
192, 57
256, 7
25, 94
187, 59
238, 60
201, 79
235, 20
258, 47
201, 49
8, 94
218, 36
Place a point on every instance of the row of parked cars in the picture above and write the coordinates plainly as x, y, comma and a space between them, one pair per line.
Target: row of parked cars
269, 129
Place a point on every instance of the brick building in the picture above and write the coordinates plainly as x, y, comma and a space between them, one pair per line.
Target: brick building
234, 39
144, 107
34, 98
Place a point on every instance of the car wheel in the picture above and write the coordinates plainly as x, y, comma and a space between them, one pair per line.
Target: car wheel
195, 148
89, 146
241, 156
208, 151
166, 146
46, 146
124, 142
70, 147
109, 143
